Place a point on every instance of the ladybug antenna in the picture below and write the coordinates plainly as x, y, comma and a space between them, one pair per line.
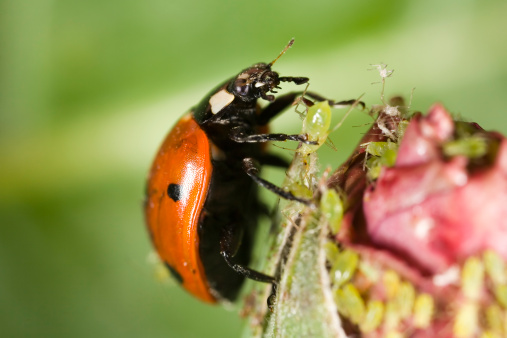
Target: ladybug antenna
283, 52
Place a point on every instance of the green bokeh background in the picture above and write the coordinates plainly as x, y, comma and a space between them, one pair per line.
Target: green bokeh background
88, 89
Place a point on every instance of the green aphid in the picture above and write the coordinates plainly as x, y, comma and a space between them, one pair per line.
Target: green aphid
471, 147
495, 319
331, 251
344, 267
404, 299
331, 206
466, 320
383, 155
369, 271
394, 334
350, 303
316, 125
490, 334
501, 295
495, 267
472, 278
400, 130
374, 165
391, 317
424, 306
392, 283
381, 148
300, 190
373, 316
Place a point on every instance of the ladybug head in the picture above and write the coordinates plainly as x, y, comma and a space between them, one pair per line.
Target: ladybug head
257, 81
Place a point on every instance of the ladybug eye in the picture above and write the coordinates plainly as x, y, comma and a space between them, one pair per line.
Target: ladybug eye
270, 78
241, 87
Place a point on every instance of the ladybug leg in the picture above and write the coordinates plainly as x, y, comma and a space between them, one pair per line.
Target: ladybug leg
239, 135
284, 101
333, 103
228, 248
246, 271
272, 298
252, 171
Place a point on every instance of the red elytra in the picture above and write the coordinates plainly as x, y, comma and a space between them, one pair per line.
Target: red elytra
184, 159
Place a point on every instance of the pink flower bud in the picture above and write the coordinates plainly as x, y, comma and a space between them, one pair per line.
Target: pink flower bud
432, 217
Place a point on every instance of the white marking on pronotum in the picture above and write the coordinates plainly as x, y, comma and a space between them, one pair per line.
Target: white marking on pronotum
259, 84
244, 76
220, 100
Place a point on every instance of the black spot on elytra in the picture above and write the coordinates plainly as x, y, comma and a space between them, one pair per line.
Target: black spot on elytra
174, 273
174, 192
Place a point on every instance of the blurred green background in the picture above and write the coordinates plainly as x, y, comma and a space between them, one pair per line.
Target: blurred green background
88, 90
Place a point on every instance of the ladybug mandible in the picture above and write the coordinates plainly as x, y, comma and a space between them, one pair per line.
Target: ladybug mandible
201, 200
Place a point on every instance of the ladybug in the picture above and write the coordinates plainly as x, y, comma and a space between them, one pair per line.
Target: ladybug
201, 203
